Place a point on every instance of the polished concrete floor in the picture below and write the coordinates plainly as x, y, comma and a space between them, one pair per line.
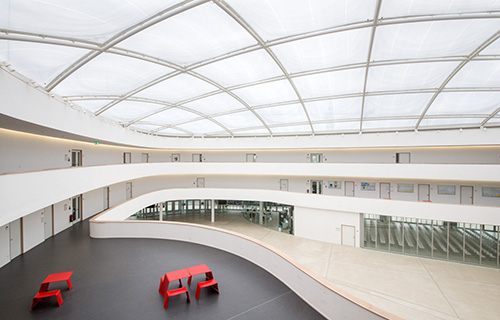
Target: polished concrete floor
119, 278
407, 286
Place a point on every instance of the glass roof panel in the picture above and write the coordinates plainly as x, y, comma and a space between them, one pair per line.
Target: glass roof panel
171, 116
431, 39
409, 76
129, 110
292, 129
93, 20
389, 124
172, 132
214, 104
340, 48
178, 88
266, 93
309, 38
494, 120
477, 74
201, 127
244, 68
493, 49
334, 109
144, 127
331, 83
283, 114
396, 105
279, 18
245, 119
465, 103
92, 105
109, 74
450, 122
395, 8
40, 62
252, 132
191, 36
336, 126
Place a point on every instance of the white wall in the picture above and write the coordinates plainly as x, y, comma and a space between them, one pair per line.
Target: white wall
93, 202
22, 152
33, 230
53, 186
4, 245
324, 225
62, 212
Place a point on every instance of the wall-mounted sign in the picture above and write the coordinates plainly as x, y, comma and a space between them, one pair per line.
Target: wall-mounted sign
450, 190
369, 186
405, 187
335, 184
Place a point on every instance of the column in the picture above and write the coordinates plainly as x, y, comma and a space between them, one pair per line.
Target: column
261, 213
161, 210
212, 213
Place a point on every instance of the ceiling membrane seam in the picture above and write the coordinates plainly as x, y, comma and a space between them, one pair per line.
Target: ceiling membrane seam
244, 24
370, 48
136, 28
469, 58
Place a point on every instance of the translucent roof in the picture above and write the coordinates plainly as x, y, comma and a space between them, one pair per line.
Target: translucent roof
225, 68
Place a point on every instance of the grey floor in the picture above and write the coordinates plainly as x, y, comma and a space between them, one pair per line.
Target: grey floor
119, 278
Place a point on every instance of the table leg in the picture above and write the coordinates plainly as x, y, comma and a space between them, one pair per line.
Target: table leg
70, 285
43, 287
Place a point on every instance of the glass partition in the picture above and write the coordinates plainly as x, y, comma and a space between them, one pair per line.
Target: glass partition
490, 245
274, 216
410, 236
383, 232
396, 231
425, 238
472, 234
462, 242
456, 242
370, 236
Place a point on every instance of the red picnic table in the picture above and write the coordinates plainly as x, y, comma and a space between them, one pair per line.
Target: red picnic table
55, 277
196, 270
43, 293
167, 279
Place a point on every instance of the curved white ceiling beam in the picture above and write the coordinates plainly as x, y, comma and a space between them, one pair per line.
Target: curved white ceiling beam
245, 25
370, 48
474, 53
138, 27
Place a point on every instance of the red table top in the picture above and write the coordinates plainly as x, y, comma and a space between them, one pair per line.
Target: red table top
202, 268
63, 276
176, 275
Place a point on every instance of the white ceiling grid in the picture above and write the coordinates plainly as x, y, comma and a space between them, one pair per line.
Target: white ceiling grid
226, 68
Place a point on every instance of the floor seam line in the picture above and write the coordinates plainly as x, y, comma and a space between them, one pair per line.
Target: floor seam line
437, 285
263, 303
387, 297
329, 261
